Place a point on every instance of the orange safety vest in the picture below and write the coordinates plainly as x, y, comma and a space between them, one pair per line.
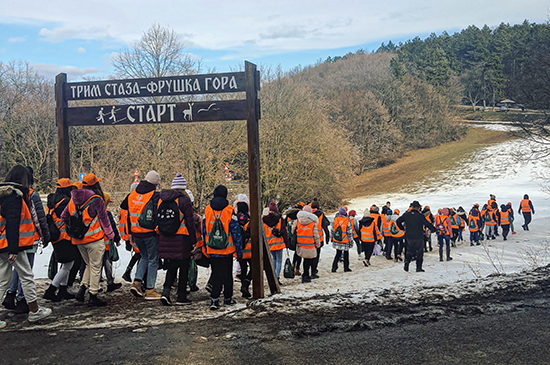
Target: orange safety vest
26, 228
386, 226
454, 221
274, 243
342, 222
123, 225
376, 217
200, 242
59, 224
476, 220
370, 233
320, 228
525, 207
504, 220
247, 251
352, 220
440, 222
136, 205
95, 232
399, 233
183, 228
491, 221
210, 216
304, 235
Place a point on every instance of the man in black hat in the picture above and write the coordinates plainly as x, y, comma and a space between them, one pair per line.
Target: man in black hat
413, 223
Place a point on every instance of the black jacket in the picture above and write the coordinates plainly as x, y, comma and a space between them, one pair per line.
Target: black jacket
414, 224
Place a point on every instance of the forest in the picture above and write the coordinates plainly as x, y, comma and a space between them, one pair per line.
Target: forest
321, 125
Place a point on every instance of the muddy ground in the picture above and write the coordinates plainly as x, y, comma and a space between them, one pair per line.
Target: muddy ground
499, 319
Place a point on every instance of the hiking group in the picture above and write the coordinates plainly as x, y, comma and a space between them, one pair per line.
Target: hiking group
163, 229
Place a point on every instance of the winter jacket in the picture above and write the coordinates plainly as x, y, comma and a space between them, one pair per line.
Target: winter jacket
95, 209
325, 223
11, 203
41, 215
306, 218
343, 246
178, 247
143, 187
272, 219
415, 223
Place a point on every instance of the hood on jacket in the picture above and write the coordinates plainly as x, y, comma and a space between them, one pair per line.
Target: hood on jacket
291, 213
169, 194
271, 219
218, 203
145, 187
79, 196
306, 218
366, 221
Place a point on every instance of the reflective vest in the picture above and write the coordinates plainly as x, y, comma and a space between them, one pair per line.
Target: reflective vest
183, 228
320, 228
376, 218
136, 205
123, 225
386, 222
26, 228
210, 216
342, 222
352, 221
395, 228
441, 225
200, 242
59, 223
95, 232
525, 207
370, 233
504, 220
474, 219
247, 251
454, 221
305, 237
461, 222
489, 218
274, 243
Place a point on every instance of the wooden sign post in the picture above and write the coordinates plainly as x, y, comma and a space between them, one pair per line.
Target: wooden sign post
175, 112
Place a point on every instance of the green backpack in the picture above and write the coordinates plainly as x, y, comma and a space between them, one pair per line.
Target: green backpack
217, 238
337, 234
146, 219
472, 224
292, 237
393, 229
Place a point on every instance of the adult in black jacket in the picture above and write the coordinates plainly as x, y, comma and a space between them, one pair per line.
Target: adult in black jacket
413, 223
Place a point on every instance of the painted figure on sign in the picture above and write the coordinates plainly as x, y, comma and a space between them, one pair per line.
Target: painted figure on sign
188, 113
100, 116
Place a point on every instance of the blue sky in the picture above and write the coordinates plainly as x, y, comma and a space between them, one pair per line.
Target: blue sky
80, 37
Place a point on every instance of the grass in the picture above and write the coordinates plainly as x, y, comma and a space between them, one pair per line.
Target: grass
416, 165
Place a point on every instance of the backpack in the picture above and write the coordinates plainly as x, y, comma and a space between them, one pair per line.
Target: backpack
217, 238
146, 219
55, 233
473, 223
292, 237
75, 227
393, 229
168, 217
337, 236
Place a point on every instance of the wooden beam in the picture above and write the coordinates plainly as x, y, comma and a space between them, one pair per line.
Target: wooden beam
63, 152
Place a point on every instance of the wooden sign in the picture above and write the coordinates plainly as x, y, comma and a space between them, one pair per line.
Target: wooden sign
157, 113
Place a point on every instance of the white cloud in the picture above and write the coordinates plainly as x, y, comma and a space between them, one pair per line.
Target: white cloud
73, 73
81, 50
17, 39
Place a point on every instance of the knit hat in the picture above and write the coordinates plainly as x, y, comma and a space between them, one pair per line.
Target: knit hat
315, 204
64, 183
342, 211
375, 209
352, 213
242, 207
366, 213
273, 207
153, 177
220, 191
106, 198
179, 182
307, 208
90, 179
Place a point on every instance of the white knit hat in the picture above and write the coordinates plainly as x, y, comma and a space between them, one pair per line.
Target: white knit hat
179, 182
153, 177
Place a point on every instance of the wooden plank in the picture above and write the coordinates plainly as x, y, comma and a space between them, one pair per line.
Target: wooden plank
164, 86
157, 113
63, 151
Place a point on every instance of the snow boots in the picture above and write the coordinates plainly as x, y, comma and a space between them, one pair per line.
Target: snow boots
49, 294
64, 293
449, 258
245, 285
80, 295
94, 301
440, 255
126, 276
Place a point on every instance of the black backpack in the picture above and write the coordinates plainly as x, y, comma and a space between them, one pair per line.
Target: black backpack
75, 227
55, 233
168, 217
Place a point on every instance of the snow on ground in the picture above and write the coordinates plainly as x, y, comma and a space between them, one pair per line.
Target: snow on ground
490, 170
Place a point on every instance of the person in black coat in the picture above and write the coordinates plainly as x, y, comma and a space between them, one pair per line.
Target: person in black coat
413, 223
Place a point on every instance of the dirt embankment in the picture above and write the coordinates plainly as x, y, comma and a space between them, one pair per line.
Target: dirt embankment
416, 165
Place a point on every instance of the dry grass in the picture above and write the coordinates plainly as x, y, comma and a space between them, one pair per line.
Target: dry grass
415, 165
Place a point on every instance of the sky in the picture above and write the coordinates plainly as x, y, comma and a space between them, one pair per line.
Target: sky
81, 37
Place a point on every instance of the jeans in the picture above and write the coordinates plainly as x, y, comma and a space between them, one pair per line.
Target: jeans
277, 257
23, 268
444, 239
15, 285
474, 236
149, 250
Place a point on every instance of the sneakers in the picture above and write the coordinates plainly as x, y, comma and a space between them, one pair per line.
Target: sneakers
126, 276
113, 287
182, 300
214, 304
136, 289
406, 266
41, 313
63, 293
80, 295
21, 307
314, 276
94, 301
49, 294
151, 294
420, 270
9, 301
2, 324
306, 279
347, 270
165, 297
229, 301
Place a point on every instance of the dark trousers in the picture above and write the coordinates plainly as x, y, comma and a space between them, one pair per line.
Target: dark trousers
387, 242
443, 240
308, 263
474, 236
505, 230
527, 219
415, 248
337, 258
246, 269
172, 274
397, 243
367, 247
455, 235
74, 269
222, 276
296, 261
316, 262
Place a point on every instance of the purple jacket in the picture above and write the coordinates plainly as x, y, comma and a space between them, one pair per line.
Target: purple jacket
178, 247
97, 208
